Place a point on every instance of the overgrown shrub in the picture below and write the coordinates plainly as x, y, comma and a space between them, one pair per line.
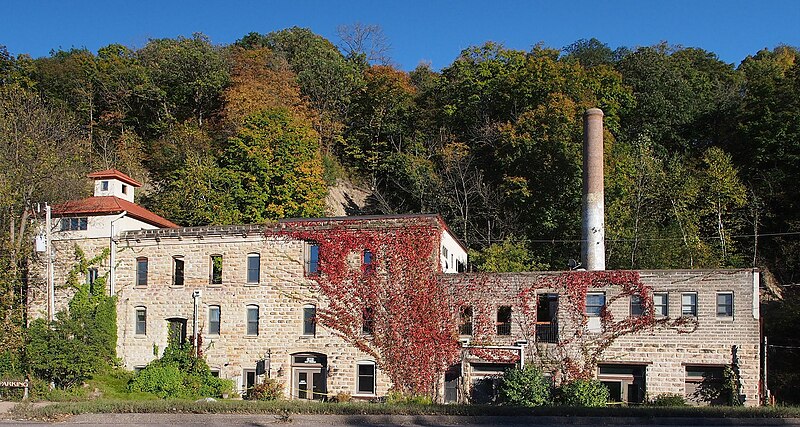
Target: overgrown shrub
163, 380
179, 374
269, 389
396, 397
589, 393
80, 341
525, 387
667, 399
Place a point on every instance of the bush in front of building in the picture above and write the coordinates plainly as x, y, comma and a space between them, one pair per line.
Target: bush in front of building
667, 399
590, 393
269, 389
399, 398
525, 387
180, 374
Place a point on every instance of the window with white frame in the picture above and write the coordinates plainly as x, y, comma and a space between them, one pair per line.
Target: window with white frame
141, 321
661, 304
595, 301
104, 185
253, 268
689, 304
214, 320
252, 320
365, 383
725, 304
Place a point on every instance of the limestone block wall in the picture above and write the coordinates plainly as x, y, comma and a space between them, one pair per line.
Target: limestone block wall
280, 295
665, 352
64, 261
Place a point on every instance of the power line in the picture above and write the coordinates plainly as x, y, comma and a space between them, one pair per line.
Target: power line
657, 239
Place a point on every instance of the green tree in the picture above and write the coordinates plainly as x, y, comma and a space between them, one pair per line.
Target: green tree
190, 73
82, 340
509, 256
276, 166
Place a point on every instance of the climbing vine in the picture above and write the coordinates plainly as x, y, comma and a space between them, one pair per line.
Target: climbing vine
574, 351
394, 308
395, 305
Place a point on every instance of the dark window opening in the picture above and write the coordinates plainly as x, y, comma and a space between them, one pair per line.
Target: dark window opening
368, 320
465, 328
216, 269
177, 271
504, 320
309, 320
546, 318
176, 332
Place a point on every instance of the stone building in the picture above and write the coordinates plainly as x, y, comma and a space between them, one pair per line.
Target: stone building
249, 291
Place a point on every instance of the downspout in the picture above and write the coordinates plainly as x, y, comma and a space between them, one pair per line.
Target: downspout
112, 257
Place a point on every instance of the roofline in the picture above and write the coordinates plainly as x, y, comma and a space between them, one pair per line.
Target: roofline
251, 228
113, 173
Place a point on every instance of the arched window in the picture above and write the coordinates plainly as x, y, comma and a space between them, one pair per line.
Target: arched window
252, 320
253, 268
141, 321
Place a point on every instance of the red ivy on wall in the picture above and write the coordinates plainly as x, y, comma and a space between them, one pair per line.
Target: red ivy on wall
578, 346
413, 315
409, 310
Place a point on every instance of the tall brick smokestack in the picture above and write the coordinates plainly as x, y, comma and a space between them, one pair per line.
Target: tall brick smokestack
593, 246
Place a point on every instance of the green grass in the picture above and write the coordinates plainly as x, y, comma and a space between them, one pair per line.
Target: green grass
284, 407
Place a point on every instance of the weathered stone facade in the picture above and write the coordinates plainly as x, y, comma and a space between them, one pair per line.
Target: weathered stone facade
284, 289
663, 352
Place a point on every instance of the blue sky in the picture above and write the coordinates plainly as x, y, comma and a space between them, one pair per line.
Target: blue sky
430, 31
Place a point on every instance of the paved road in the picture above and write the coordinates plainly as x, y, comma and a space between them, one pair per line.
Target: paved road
198, 420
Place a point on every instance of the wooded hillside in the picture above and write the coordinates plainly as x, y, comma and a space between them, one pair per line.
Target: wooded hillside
702, 156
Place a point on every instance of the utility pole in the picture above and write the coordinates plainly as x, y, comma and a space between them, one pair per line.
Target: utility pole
51, 288
196, 296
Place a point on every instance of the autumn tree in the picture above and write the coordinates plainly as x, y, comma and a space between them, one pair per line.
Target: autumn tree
260, 80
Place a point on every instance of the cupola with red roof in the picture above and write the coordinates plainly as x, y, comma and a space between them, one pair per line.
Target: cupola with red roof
112, 182
113, 195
